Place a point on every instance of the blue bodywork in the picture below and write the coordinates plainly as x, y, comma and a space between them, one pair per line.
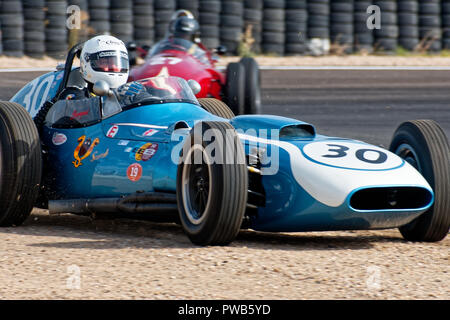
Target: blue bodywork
105, 171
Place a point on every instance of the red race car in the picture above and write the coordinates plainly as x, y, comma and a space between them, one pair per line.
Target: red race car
239, 86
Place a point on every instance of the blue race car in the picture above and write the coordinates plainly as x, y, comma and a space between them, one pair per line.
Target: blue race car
151, 150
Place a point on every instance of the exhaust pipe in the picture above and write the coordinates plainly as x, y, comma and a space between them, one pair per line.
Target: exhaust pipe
139, 203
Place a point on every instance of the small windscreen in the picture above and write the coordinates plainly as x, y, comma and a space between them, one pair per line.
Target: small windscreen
156, 90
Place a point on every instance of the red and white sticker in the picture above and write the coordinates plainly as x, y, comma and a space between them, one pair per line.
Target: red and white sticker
149, 132
146, 152
134, 172
112, 131
59, 139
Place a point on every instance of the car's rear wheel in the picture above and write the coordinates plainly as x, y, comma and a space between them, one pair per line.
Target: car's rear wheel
252, 86
20, 164
235, 87
212, 184
216, 107
424, 145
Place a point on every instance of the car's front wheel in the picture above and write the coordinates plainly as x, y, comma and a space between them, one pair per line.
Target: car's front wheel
424, 145
20, 164
212, 184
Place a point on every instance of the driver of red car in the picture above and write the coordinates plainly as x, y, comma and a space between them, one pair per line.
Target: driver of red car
183, 25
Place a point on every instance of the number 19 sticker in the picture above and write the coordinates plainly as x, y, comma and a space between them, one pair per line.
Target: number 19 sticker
134, 172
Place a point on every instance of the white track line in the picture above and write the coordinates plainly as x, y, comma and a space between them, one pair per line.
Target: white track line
388, 68
28, 69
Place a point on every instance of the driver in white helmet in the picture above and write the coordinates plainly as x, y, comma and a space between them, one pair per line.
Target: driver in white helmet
103, 58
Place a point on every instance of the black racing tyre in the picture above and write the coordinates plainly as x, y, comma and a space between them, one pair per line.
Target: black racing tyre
20, 164
275, 49
408, 32
362, 5
99, 14
235, 87
12, 33
121, 15
408, 43
253, 15
210, 6
387, 5
408, 6
321, 33
275, 4
295, 4
11, 6
274, 26
342, 6
212, 193
216, 107
252, 86
231, 21
423, 144
164, 4
273, 37
387, 32
209, 18
11, 19
209, 31
121, 4
230, 34
386, 44
320, 9
408, 19
430, 8
273, 14
232, 8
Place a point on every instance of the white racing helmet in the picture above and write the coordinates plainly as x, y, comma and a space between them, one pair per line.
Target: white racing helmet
104, 58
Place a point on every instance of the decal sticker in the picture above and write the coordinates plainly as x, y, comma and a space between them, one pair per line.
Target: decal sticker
123, 143
96, 156
59, 139
112, 131
349, 155
146, 152
149, 132
77, 115
84, 149
134, 172
129, 149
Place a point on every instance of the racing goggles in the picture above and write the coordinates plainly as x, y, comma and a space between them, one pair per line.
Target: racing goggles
109, 61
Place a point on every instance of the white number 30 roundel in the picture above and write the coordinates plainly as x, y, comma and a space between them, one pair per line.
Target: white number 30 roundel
350, 155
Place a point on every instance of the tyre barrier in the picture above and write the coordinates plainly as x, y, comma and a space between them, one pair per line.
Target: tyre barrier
282, 27
341, 26
408, 22
209, 19
231, 24
363, 36
163, 10
445, 11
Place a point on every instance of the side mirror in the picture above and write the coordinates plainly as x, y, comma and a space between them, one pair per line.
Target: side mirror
195, 86
221, 50
101, 88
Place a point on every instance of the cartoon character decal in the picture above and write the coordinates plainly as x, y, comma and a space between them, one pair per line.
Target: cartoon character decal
84, 149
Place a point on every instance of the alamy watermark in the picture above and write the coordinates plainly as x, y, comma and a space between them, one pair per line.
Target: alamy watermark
74, 279
73, 22
224, 147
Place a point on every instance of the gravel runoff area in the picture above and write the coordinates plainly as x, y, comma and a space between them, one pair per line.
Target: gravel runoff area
72, 257
350, 60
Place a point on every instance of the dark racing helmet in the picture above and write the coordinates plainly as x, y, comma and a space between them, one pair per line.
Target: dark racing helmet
186, 28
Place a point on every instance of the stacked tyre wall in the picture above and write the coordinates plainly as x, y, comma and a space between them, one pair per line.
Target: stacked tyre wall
282, 27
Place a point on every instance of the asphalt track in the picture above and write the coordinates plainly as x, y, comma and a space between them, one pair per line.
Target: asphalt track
362, 104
